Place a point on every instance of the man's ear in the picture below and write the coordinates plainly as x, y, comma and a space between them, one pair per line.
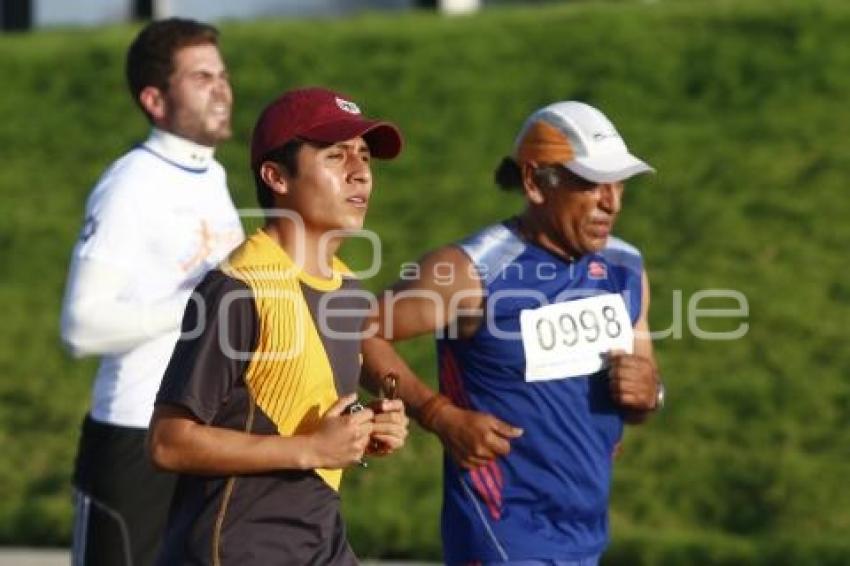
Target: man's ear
275, 177
153, 101
529, 185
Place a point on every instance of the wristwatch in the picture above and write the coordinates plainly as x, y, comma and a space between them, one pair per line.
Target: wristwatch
660, 393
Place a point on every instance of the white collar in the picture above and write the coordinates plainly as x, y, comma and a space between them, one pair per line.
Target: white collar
181, 151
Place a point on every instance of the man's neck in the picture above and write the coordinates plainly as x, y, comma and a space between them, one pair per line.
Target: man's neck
534, 229
181, 151
309, 251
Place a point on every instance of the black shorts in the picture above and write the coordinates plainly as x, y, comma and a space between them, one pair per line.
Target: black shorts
120, 501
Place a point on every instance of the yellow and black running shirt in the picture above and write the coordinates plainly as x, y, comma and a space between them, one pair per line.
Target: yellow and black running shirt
267, 349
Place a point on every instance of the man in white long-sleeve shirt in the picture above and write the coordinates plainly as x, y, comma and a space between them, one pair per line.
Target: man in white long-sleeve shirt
158, 219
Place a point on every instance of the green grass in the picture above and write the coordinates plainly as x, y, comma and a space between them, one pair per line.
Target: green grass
742, 108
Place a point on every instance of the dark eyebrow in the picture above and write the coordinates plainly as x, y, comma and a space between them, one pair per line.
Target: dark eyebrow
364, 148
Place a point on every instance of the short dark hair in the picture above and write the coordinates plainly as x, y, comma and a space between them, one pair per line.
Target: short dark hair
150, 58
287, 157
508, 176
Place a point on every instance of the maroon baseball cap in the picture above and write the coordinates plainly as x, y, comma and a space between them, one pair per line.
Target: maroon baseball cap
319, 115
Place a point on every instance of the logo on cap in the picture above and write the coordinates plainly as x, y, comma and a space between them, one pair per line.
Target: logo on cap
599, 136
347, 106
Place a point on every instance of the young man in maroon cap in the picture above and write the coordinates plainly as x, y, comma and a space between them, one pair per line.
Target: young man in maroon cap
252, 408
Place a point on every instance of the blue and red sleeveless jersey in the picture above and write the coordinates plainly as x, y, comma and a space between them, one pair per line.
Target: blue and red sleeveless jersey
548, 498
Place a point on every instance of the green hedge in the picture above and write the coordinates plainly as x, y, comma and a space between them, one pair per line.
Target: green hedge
741, 106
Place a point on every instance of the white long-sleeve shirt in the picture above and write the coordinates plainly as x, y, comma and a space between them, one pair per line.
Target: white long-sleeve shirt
159, 218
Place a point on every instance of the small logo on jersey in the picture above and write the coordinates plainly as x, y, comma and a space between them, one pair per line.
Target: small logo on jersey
347, 106
597, 270
89, 228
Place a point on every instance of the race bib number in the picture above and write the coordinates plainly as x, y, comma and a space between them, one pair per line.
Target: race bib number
570, 339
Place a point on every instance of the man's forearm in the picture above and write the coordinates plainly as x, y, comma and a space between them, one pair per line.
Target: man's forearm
178, 443
96, 321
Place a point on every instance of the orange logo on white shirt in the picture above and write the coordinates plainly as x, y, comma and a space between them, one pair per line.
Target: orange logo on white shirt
210, 242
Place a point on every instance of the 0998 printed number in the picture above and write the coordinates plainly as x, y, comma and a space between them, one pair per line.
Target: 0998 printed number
588, 328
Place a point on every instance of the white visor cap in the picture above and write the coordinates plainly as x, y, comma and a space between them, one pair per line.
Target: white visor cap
582, 139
